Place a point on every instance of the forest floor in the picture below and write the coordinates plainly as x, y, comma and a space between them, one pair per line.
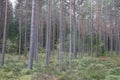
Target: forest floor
86, 68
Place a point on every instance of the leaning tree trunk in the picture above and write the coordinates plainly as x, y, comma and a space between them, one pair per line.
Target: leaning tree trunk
4, 34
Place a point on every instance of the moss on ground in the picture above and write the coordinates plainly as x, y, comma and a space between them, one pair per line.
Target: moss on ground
86, 68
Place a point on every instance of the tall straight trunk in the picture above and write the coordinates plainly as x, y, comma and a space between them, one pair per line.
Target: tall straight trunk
36, 33
1, 12
104, 36
54, 25
36, 44
83, 47
37, 30
115, 37
83, 38
53, 42
79, 35
107, 39
111, 44
111, 33
64, 32
35, 37
117, 43
35, 21
61, 33
106, 48
119, 31
20, 25
30, 63
48, 33
41, 32
74, 32
25, 40
91, 29
70, 55
4, 33
35, 51
79, 48
98, 27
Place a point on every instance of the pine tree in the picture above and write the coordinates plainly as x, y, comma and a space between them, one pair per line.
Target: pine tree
4, 33
61, 33
20, 28
48, 32
30, 63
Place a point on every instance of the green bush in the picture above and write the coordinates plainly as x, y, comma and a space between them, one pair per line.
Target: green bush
86, 61
96, 71
69, 75
26, 71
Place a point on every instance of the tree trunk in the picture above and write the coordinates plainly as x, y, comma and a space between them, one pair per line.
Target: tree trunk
70, 55
4, 33
48, 33
91, 29
61, 33
25, 40
36, 33
75, 31
30, 63
1, 8
20, 25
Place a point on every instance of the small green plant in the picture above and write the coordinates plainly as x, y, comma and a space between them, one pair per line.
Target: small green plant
112, 77
115, 71
96, 71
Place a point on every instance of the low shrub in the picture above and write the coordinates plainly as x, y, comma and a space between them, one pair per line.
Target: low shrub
112, 77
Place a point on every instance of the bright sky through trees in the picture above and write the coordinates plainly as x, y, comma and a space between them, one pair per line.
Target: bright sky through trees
13, 2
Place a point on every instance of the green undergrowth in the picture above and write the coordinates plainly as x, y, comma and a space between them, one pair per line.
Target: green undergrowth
86, 68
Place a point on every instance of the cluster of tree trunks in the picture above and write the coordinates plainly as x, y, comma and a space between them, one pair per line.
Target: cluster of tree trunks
73, 27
